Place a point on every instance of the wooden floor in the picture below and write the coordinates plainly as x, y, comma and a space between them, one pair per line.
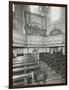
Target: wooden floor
52, 76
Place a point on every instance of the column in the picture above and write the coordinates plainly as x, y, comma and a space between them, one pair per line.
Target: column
27, 50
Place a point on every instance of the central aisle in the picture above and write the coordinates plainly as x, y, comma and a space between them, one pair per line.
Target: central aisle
52, 76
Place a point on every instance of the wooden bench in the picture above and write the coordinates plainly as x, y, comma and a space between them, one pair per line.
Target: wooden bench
22, 78
24, 64
26, 68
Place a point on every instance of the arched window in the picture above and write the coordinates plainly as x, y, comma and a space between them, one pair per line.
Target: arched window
55, 32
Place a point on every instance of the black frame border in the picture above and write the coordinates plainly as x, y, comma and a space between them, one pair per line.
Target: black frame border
10, 42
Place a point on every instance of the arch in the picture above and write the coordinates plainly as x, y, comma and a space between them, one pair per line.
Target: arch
55, 32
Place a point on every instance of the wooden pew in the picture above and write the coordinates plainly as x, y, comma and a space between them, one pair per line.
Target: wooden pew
22, 79
22, 69
55, 61
24, 59
16, 78
30, 68
19, 62
24, 64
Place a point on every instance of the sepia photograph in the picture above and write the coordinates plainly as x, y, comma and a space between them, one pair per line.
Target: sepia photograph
37, 44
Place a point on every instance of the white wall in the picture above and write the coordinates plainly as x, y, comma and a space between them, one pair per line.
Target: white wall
4, 46
54, 23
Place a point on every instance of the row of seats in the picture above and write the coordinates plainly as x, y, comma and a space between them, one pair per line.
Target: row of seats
20, 54
26, 70
55, 61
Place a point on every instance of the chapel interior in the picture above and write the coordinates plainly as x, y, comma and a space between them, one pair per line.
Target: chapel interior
38, 44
